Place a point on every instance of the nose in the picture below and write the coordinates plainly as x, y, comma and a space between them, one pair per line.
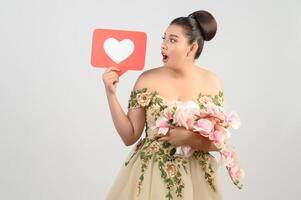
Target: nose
163, 46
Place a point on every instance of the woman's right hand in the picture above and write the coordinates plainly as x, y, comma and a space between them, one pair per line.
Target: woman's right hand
110, 79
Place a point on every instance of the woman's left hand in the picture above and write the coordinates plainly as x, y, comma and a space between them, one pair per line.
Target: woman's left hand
176, 136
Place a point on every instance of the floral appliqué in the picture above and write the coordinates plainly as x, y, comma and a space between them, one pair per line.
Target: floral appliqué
163, 152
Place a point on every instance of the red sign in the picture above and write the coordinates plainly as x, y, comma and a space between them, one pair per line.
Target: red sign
118, 48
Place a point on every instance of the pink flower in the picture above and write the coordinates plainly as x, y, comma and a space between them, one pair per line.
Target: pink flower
233, 120
214, 109
234, 161
226, 156
211, 122
184, 115
185, 151
168, 114
236, 172
162, 122
204, 126
217, 138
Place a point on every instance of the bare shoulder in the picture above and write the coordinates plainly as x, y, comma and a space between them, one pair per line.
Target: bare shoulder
147, 78
214, 82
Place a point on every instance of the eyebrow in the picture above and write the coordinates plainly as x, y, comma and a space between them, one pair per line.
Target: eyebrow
172, 35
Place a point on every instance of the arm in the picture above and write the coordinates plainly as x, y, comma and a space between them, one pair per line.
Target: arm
179, 136
129, 126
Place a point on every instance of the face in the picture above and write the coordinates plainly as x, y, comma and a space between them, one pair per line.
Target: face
175, 49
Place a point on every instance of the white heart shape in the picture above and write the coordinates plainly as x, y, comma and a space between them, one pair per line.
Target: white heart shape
118, 51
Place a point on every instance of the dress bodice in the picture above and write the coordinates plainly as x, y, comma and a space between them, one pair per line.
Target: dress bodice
150, 149
154, 105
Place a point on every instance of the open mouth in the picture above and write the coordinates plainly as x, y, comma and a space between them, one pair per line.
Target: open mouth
165, 57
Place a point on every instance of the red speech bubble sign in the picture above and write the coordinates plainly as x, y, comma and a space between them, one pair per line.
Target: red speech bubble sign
118, 48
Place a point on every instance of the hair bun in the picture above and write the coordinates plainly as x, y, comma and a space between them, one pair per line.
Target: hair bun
206, 22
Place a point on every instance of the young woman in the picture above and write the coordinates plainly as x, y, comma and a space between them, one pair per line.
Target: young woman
153, 170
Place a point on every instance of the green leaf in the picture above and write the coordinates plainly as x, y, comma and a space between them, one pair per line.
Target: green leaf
172, 151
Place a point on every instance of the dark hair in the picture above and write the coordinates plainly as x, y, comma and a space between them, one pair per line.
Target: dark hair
198, 26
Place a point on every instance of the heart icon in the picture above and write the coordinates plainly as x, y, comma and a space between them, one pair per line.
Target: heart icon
124, 49
118, 51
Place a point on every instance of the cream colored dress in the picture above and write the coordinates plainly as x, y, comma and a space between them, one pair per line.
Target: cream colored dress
152, 172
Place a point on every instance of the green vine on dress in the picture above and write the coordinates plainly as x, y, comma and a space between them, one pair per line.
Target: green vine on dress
168, 165
204, 160
145, 156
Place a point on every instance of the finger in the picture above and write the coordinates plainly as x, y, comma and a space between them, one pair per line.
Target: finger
112, 78
165, 138
114, 72
114, 69
107, 70
158, 136
111, 69
112, 75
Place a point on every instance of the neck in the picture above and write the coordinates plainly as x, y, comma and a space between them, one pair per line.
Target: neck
182, 70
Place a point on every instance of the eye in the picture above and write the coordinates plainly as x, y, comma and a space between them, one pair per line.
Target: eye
171, 40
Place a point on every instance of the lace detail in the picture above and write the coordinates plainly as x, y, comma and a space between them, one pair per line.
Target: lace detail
141, 98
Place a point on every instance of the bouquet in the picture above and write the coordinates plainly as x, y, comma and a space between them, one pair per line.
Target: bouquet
210, 121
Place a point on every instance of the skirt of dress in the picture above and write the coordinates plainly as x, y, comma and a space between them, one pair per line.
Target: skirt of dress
151, 172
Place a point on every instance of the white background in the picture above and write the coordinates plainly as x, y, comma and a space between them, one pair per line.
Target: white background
58, 141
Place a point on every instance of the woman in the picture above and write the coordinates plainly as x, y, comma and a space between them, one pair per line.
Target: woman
153, 170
